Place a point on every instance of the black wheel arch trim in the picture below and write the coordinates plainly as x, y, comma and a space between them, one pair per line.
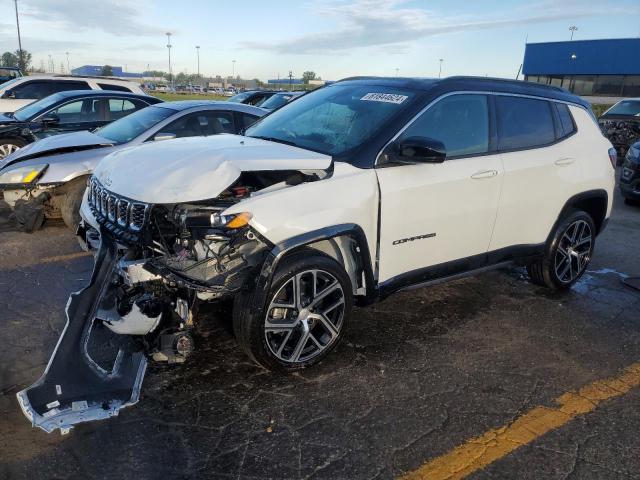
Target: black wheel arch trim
277, 253
597, 194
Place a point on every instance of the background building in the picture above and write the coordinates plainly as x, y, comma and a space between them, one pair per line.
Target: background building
604, 68
94, 70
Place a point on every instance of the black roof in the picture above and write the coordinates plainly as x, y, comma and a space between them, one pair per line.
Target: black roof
180, 105
502, 85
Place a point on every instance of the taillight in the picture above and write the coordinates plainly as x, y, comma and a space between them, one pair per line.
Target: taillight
613, 157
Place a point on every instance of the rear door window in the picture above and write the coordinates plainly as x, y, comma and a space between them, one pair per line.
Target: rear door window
247, 120
66, 85
120, 107
201, 124
32, 90
524, 123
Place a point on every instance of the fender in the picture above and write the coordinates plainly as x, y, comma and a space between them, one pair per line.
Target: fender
263, 283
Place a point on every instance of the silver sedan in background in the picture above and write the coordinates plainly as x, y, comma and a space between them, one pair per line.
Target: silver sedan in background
48, 177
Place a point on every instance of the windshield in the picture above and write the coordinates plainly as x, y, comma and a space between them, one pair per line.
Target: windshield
239, 98
277, 100
28, 112
9, 73
335, 119
129, 127
625, 107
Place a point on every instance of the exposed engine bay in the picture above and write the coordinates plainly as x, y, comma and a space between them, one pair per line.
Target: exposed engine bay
155, 264
622, 132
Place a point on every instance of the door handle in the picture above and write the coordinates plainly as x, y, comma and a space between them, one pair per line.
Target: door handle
484, 174
565, 161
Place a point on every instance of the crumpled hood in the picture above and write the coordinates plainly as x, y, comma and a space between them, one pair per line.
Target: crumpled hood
196, 168
56, 144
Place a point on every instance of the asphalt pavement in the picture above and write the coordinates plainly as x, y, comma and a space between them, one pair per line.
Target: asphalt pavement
418, 376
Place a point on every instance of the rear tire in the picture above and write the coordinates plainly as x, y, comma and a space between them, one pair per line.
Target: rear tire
568, 254
71, 201
10, 145
307, 310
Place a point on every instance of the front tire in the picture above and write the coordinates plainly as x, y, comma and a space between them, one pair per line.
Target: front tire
568, 254
9, 146
71, 201
307, 310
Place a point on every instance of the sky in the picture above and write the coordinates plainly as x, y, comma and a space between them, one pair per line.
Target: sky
334, 38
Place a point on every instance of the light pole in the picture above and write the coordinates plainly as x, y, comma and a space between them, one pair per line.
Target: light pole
233, 69
397, 70
573, 29
68, 67
290, 80
169, 49
19, 39
440, 71
198, 54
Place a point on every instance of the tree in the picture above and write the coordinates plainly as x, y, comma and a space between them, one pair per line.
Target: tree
24, 60
306, 76
9, 60
106, 71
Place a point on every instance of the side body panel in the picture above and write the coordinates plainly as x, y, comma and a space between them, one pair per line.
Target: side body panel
350, 195
538, 182
436, 213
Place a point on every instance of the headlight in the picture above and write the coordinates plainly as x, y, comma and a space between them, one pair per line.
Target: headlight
22, 175
236, 220
633, 153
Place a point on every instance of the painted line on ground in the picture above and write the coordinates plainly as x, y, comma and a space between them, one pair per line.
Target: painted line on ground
477, 453
63, 258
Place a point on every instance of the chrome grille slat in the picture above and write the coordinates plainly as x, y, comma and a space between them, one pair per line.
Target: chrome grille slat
125, 213
137, 215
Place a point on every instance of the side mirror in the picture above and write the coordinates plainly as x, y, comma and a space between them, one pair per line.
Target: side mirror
159, 137
415, 150
50, 119
9, 94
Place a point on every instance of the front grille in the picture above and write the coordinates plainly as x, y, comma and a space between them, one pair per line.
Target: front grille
112, 210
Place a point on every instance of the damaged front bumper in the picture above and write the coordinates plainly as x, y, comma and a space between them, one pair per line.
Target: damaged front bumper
83, 381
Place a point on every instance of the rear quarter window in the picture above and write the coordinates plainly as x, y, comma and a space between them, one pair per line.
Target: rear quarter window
524, 123
567, 125
113, 88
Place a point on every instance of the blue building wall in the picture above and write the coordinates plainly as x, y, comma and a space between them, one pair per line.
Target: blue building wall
95, 70
583, 57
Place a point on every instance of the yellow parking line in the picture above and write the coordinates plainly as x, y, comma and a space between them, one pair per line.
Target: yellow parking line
479, 452
62, 258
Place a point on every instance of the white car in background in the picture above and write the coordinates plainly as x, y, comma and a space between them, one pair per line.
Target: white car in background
22, 91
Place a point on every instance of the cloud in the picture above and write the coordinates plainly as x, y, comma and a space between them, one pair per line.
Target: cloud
388, 23
37, 45
110, 16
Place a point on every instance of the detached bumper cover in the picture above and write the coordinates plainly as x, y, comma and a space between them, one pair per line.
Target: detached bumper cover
75, 387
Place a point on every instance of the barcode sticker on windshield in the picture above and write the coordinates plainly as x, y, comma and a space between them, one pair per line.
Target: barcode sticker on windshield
384, 97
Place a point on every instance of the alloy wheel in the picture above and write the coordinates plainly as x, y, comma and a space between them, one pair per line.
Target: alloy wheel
7, 149
574, 251
305, 316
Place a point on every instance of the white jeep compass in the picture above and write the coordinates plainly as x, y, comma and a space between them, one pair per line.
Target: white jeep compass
353, 192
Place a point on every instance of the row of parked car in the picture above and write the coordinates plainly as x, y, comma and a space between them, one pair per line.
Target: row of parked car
96, 122
350, 193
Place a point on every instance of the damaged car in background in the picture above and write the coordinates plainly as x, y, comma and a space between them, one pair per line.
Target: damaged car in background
621, 124
47, 178
352, 192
